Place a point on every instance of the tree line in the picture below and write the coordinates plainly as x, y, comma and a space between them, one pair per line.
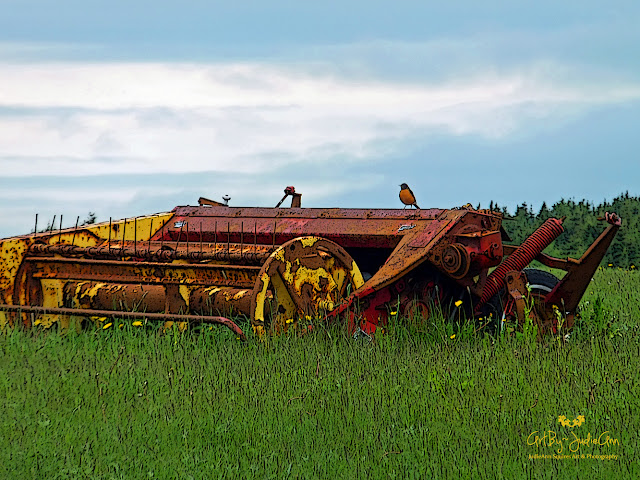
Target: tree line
582, 227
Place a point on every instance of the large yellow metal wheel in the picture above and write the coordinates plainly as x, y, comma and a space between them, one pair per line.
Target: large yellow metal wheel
301, 280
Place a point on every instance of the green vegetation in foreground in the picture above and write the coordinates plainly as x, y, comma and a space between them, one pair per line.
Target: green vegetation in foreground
415, 403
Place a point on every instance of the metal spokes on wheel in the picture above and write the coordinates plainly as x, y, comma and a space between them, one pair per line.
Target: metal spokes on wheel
304, 277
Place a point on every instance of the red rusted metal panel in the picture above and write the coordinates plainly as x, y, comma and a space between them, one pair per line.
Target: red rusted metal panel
348, 227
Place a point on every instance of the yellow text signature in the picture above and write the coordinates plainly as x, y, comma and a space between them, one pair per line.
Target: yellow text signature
573, 442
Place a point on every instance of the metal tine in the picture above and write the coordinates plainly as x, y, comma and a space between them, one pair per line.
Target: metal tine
135, 236
179, 235
73, 239
60, 230
35, 229
150, 235
109, 242
162, 234
124, 229
53, 222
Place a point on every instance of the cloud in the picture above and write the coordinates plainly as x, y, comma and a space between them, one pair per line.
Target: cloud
68, 118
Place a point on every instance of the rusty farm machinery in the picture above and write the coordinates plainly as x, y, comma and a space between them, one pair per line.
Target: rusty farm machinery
286, 267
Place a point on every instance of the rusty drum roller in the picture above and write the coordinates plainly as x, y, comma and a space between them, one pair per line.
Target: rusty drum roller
56, 276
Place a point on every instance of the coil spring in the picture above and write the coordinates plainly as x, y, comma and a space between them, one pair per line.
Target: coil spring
521, 257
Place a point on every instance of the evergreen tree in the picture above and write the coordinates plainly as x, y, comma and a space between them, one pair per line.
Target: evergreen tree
582, 227
544, 212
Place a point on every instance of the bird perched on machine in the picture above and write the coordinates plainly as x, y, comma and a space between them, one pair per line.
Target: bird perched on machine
407, 197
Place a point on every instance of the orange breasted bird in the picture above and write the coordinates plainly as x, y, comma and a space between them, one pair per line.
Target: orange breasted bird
407, 197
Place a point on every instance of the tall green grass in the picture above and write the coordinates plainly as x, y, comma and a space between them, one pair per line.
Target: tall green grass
413, 403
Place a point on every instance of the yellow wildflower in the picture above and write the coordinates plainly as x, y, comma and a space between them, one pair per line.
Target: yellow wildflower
137, 323
458, 303
107, 326
452, 336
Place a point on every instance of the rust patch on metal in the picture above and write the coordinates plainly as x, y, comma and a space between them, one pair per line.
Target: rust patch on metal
302, 278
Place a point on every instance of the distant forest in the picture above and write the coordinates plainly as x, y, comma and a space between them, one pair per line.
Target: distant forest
581, 228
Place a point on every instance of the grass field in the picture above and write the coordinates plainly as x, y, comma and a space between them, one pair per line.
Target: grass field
428, 402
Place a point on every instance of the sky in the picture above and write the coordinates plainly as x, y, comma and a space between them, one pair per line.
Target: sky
128, 108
